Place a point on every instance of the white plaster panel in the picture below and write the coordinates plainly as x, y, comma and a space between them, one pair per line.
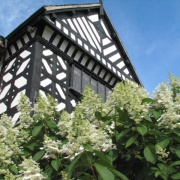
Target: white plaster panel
46, 82
78, 55
106, 41
33, 33
126, 71
91, 33
19, 44
56, 40
90, 65
23, 66
109, 50
96, 69
15, 102
62, 62
48, 69
13, 50
73, 102
94, 17
112, 81
3, 108
20, 82
60, 106
114, 69
61, 76
64, 45
65, 30
58, 24
5, 91
24, 54
115, 57
10, 65
64, 21
86, 32
43, 94
71, 50
15, 117
71, 24
60, 91
47, 52
120, 65
95, 31
79, 42
104, 27
107, 77
84, 60
26, 38
104, 61
73, 36
86, 47
47, 33
92, 52
102, 73
79, 29
7, 77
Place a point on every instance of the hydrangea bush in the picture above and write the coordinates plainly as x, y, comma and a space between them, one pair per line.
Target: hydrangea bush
131, 136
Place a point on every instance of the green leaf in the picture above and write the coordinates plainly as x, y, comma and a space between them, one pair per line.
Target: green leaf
161, 166
123, 133
131, 140
13, 169
51, 124
142, 129
56, 163
31, 145
163, 144
176, 176
149, 155
147, 100
36, 130
113, 154
154, 132
88, 148
176, 163
157, 173
98, 115
39, 155
104, 172
103, 156
157, 114
147, 117
73, 165
119, 174
49, 170
177, 153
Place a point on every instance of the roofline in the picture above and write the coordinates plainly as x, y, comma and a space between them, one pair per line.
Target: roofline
51, 8
31, 20
124, 50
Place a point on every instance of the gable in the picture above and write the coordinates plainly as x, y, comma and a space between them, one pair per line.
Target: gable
96, 36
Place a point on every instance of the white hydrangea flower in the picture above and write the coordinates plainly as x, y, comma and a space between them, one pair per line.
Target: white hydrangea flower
30, 170
51, 147
128, 96
163, 96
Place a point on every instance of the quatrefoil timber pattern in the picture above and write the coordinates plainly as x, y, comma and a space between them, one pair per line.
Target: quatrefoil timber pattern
69, 47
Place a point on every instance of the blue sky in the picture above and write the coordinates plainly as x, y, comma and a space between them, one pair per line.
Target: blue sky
149, 30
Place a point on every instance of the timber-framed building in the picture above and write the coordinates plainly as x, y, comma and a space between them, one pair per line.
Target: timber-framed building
58, 51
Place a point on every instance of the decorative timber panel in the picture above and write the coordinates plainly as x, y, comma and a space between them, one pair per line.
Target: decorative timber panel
58, 51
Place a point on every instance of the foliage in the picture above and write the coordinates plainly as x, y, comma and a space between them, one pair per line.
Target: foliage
131, 136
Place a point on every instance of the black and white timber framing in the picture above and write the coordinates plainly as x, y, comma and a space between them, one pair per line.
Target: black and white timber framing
58, 51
